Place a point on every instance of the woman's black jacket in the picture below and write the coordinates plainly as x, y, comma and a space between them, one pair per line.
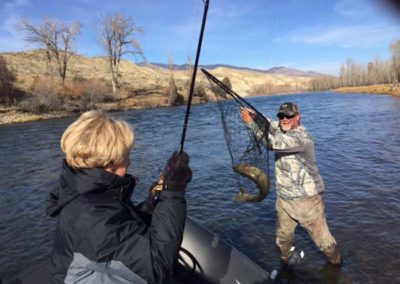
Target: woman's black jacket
102, 239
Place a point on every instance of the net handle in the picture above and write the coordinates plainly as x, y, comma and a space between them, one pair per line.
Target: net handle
233, 94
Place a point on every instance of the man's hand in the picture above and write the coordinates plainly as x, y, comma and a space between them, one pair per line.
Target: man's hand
247, 115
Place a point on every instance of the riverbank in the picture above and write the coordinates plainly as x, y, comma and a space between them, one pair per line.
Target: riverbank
374, 89
11, 116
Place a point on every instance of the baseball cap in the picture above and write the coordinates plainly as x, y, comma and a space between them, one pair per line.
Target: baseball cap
289, 109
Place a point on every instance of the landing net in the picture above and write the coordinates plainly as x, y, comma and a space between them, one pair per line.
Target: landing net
242, 144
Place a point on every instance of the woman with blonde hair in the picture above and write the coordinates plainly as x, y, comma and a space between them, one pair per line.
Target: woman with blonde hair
101, 236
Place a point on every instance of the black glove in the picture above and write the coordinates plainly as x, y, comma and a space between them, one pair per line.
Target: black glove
177, 173
125, 192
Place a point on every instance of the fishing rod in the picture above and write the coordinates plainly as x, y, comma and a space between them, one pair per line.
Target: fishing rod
189, 102
234, 95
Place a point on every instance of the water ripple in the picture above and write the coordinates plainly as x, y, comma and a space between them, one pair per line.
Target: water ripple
357, 140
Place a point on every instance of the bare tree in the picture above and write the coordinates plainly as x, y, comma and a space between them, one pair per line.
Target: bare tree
173, 96
171, 64
323, 83
395, 50
55, 38
352, 74
117, 34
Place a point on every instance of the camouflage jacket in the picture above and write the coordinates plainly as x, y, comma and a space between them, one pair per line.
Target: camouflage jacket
297, 174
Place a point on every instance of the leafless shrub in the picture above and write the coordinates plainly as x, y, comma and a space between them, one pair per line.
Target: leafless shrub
46, 96
227, 82
270, 88
323, 83
172, 92
31, 104
94, 92
7, 79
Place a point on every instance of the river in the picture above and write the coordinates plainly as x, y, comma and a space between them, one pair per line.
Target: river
357, 138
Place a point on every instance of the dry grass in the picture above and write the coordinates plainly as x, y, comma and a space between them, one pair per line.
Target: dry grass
374, 89
29, 65
141, 86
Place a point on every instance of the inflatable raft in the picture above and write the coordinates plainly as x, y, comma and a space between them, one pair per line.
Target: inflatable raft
204, 259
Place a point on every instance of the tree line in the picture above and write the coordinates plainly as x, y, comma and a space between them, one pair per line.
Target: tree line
353, 74
117, 35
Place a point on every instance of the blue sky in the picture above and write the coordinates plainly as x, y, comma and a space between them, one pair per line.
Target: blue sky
316, 35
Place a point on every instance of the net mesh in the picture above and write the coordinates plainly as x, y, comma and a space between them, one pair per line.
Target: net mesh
243, 146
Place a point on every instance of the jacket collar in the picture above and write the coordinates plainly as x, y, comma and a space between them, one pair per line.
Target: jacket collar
77, 182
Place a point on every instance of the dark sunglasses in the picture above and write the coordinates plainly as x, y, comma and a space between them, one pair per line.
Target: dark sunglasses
282, 116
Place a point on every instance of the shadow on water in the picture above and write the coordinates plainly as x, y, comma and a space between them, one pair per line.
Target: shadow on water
357, 140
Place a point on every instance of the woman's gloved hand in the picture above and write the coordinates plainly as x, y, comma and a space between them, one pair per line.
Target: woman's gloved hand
177, 173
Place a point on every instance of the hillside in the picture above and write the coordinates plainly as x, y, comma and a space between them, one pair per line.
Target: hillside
28, 65
145, 85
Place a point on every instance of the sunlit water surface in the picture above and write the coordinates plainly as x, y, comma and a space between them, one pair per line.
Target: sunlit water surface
357, 141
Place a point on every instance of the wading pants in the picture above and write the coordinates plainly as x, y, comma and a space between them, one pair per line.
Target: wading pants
309, 213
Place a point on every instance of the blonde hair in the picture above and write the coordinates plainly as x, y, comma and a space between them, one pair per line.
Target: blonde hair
97, 140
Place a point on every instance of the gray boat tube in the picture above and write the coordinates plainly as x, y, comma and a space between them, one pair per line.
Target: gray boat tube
204, 259
216, 261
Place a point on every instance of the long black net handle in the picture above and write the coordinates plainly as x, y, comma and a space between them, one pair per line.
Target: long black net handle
235, 96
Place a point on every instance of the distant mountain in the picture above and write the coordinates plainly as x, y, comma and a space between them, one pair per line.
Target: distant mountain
293, 72
274, 70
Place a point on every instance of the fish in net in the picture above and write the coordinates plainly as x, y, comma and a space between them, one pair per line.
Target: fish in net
249, 158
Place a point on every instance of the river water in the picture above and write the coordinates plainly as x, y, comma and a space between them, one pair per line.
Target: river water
357, 138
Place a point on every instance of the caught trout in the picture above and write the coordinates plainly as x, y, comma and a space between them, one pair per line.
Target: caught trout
256, 175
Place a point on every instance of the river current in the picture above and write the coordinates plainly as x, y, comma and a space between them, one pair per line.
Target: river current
357, 138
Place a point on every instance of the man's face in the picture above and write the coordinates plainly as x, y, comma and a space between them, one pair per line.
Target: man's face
288, 122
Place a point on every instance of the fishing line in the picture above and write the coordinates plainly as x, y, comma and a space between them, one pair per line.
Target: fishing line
189, 102
192, 34
273, 26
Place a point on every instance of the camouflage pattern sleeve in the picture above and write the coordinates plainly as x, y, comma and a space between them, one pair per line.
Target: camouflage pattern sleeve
292, 141
259, 133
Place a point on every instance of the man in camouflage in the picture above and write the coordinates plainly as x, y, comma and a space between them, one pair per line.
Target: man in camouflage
298, 182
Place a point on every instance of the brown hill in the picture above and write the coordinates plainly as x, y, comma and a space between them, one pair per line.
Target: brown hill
32, 64
141, 85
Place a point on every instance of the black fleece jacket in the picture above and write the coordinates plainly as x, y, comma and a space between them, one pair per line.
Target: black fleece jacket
96, 222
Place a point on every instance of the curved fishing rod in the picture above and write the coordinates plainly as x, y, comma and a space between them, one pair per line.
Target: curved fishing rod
189, 102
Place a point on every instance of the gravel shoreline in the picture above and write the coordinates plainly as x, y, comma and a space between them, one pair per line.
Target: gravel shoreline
15, 116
